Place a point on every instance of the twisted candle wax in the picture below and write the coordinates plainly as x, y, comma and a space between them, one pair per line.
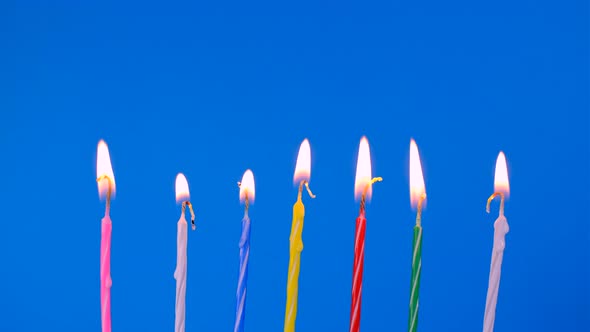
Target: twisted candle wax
500, 230
105, 261
243, 277
180, 272
295, 248
416, 269
359, 261
105, 272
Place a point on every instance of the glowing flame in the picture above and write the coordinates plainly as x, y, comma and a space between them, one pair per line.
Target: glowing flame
501, 183
247, 186
363, 171
181, 186
104, 168
303, 166
417, 188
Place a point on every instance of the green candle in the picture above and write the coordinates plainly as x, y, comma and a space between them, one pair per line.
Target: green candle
415, 283
417, 197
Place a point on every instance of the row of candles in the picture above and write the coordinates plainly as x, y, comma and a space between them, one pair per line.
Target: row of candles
363, 191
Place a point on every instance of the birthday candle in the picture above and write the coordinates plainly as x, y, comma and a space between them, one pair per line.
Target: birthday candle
182, 196
247, 194
363, 185
502, 189
301, 177
106, 188
417, 197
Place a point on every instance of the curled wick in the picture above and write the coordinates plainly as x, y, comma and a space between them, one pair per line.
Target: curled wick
363, 197
501, 194
306, 187
190, 207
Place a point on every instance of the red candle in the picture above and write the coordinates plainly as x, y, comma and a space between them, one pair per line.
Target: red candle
362, 187
357, 276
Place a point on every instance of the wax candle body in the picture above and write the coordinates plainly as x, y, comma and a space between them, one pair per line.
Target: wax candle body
105, 273
295, 248
415, 281
357, 274
500, 230
243, 276
180, 274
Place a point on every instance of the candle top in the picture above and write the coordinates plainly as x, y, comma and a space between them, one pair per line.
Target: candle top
417, 187
247, 187
181, 187
104, 170
363, 171
501, 183
303, 165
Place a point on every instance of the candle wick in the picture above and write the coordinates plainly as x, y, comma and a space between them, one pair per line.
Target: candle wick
246, 200
190, 207
373, 180
363, 196
362, 207
246, 205
301, 184
491, 198
419, 210
109, 192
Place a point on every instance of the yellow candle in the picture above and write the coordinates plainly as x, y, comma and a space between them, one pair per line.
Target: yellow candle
302, 175
295, 248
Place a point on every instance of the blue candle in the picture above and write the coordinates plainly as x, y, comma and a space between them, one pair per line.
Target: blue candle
246, 194
243, 277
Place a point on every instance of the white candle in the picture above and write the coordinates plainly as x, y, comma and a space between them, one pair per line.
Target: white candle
502, 189
182, 196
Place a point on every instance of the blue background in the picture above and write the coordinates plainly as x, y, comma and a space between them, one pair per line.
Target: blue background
211, 90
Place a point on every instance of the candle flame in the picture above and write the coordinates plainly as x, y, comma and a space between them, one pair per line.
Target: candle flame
303, 166
501, 183
182, 191
417, 187
363, 171
104, 170
247, 187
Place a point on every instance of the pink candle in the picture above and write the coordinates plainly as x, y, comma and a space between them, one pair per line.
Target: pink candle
106, 188
105, 273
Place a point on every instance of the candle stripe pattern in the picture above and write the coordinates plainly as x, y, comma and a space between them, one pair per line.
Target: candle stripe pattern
295, 249
180, 275
357, 281
500, 230
243, 276
105, 273
415, 282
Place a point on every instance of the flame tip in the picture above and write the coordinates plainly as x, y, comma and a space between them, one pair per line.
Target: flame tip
501, 179
104, 170
303, 163
363, 175
417, 186
181, 188
247, 186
